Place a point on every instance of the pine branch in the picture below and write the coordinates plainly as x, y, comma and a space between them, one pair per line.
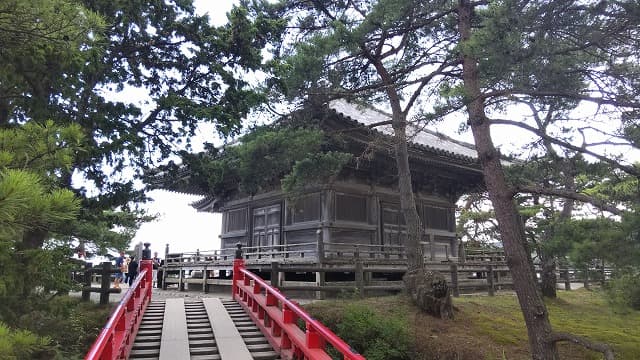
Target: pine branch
540, 190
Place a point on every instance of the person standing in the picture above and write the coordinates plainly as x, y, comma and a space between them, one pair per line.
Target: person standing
125, 270
133, 270
156, 265
119, 273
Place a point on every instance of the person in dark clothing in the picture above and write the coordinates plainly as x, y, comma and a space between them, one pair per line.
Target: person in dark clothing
133, 270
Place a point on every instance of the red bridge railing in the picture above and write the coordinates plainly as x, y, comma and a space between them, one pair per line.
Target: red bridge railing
277, 318
117, 336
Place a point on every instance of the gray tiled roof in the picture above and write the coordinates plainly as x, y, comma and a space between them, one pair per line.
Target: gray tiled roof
425, 139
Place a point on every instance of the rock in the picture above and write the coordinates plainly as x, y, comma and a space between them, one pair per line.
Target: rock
430, 292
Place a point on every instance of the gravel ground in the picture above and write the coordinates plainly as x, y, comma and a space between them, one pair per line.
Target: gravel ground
218, 292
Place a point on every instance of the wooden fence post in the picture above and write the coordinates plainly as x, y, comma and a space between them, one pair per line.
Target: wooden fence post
432, 247
86, 292
359, 277
603, 275
181, 279
105, 282
490, 282
567, 281
275, 274
320, 246
205, 278
454, 280
586, 277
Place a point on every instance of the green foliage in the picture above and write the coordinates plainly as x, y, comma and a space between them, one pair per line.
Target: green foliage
377, 338
624, 291
374, 335
264, 157
70, 324
23, 345
316, 169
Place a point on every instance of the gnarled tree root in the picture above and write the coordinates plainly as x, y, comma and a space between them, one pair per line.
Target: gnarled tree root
605, 349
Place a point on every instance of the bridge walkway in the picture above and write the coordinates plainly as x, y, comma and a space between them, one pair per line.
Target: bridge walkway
202, 329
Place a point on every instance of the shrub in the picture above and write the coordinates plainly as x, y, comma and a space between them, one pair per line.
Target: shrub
624, 291
71, 325
375, 336
23, 344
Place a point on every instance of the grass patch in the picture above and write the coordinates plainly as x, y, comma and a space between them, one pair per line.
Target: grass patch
488, 327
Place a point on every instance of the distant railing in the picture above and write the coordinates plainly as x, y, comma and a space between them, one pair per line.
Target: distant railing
319, 251
277, 317
116, 338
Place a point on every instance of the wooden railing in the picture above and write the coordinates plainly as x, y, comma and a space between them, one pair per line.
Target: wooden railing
312, 251
277, 317
105, 288
116, 338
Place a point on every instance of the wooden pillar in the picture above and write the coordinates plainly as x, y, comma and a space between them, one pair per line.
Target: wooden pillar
454, 280
490, 282
105, 282
275, 274
586, 277
205, 278
328, 214
359, 274
181, 279
432, 246
567, 281
319, 246
86, 293
320, 281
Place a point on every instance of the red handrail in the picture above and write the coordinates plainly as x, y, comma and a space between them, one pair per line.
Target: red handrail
116, 338
277, 316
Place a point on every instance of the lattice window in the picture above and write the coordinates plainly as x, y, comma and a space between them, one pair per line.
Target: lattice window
394, 228
266, 226
351, 208
303, 209
438, 218
236, 220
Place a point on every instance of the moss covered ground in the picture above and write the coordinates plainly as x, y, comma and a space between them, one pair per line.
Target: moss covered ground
487, 327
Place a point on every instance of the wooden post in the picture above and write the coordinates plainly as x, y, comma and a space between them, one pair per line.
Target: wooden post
454, 280
181, 279
105, 282
205, 278
320, 246
275, 274
586, 277
490, 282
567, 281
603, 275
164, 268
462, 254
86, 293
359, 277
432, 247
320, 281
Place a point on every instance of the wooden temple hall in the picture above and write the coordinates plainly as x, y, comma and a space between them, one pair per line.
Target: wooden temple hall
352, 221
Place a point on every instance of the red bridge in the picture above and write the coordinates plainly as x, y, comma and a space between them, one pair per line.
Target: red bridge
258, 323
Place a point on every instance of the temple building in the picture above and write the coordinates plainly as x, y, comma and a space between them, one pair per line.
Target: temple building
361, 205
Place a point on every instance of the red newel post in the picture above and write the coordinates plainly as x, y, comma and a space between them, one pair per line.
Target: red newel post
238, 263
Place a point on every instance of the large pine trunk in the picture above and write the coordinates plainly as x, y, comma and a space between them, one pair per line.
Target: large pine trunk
511, 229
